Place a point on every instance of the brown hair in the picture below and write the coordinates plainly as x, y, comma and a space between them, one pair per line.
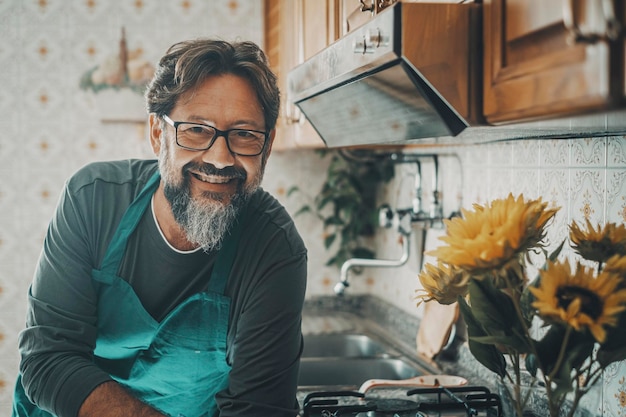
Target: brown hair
187, 64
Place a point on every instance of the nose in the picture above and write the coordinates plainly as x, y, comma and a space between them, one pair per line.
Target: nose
218, 154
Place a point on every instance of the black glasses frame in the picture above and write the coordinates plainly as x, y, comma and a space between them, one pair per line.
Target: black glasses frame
218, 133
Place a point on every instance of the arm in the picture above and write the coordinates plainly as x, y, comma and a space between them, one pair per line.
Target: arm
57, 367
111, 400
265, 352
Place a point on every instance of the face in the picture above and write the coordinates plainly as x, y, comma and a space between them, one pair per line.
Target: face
214, 182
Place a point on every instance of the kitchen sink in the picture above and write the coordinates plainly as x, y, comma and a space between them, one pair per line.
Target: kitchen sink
343, 345
350, 359
352, 371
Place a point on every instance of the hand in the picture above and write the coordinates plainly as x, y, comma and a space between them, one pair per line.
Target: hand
111, 400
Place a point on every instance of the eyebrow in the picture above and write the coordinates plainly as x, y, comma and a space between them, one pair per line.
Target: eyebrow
242, 122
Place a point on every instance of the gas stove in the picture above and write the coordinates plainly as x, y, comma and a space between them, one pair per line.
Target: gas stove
438, 401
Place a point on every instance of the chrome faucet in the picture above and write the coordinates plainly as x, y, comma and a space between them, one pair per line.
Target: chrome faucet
401, 219
404, 227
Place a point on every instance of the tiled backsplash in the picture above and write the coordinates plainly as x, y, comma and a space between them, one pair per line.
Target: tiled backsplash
586, 178
51, 128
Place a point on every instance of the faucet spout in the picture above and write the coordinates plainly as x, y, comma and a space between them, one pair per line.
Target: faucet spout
351, 263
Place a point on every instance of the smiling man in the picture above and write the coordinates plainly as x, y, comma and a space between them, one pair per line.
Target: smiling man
173, 287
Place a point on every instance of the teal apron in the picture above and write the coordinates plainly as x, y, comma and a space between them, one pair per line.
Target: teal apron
179, 364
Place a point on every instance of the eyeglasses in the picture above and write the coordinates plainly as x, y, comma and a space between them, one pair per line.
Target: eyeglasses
200, 137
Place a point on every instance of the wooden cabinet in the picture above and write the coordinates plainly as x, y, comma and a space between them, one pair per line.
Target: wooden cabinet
535, 68
294, 31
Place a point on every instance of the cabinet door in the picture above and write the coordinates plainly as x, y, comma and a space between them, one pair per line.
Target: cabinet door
532, 68
294, 31
317, 27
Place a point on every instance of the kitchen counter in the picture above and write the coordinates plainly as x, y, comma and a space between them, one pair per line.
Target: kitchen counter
367, 314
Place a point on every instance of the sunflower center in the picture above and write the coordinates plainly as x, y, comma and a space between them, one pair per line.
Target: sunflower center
590, 303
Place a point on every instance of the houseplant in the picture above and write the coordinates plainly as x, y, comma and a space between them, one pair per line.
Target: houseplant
580, 307
346, 202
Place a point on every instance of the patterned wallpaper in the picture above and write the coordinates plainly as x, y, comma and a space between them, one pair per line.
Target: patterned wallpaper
51, 127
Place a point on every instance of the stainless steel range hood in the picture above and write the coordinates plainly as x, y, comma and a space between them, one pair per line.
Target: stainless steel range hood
408, 73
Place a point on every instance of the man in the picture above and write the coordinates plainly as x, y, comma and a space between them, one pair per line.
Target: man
173, 288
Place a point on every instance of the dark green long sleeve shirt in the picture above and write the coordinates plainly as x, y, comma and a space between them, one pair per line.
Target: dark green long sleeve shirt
266, 286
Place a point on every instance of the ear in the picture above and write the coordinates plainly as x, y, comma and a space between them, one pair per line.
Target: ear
155, 134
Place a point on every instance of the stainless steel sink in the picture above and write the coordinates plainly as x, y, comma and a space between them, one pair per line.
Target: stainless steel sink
352, 371
340, 359
343, 345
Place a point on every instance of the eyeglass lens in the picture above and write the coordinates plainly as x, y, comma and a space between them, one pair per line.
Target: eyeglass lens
240, 141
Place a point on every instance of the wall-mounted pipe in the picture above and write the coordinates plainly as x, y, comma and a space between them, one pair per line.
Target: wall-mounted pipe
351, 263
402, 219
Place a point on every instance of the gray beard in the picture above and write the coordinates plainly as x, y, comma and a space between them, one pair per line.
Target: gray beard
205, 223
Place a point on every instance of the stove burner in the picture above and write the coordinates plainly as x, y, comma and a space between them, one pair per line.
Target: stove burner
420, 402
470, 399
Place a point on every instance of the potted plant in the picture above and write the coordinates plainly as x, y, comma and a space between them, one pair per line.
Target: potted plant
580, 306
346, 203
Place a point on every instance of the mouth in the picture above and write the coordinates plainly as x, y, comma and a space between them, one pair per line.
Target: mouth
216, 186
212, 179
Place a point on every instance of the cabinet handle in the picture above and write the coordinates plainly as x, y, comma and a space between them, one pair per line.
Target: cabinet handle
368, 7
375, 6
612, 31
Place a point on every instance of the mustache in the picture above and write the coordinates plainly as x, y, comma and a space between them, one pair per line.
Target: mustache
209, 169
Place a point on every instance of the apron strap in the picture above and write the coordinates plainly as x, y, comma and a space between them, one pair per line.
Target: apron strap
131, 218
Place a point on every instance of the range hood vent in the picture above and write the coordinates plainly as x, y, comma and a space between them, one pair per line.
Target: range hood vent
373, 85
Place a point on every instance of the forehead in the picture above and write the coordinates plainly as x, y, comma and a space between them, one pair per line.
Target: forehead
224, 98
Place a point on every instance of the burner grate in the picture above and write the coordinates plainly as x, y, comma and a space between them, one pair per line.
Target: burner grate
468, 401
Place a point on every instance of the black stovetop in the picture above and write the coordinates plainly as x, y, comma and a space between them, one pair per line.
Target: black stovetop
417, 402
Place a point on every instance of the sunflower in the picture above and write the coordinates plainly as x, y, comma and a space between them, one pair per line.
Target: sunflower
443, 283
598, 244
616, 265
490, 236
579, 300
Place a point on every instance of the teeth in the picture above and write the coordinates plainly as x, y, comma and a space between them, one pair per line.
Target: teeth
215, 179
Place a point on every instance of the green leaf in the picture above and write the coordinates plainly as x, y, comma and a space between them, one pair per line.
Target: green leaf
497, 340
614, 347
488, 355
333, 221
556, 252
292, 190
575, 355
496, 313
607, 357
578, 349
303, 209
328, 240
531, 364
526, 300
363, 253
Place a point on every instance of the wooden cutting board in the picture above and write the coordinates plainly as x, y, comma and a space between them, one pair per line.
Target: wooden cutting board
438, 319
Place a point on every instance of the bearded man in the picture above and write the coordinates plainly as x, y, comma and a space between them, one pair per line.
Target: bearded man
173, 287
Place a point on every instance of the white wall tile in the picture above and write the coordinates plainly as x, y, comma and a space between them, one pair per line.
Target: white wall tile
616, 196
589, 152
587, 196
616, 152
554, 152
